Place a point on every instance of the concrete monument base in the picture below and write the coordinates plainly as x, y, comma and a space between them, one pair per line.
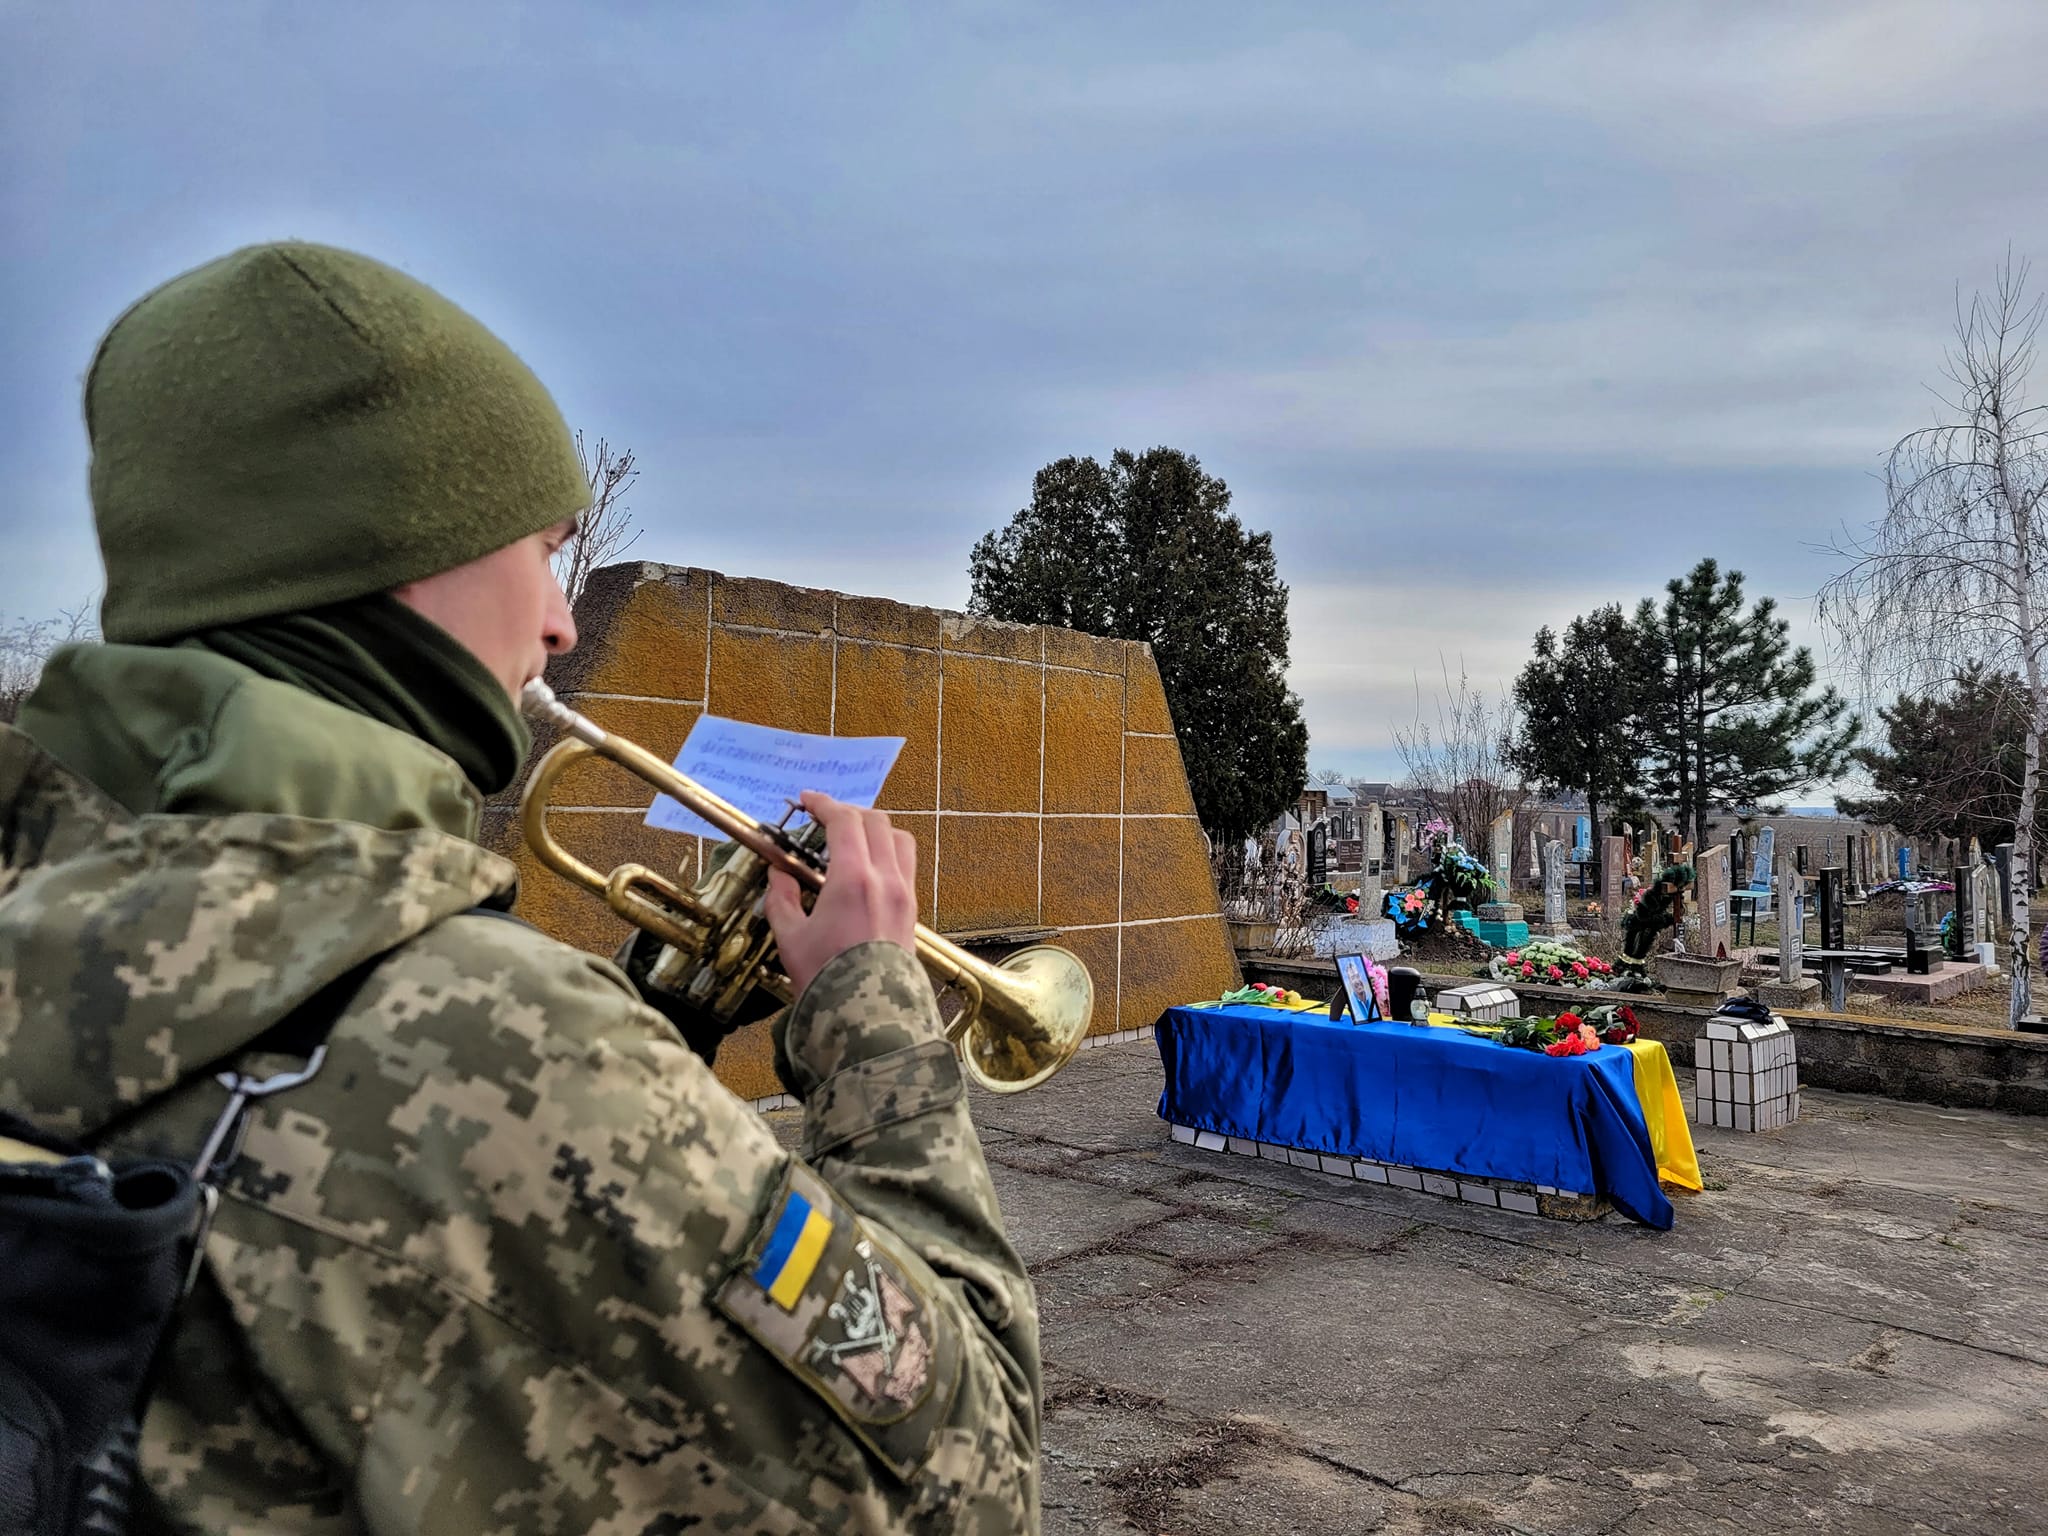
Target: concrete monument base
1695, 973
1803, 993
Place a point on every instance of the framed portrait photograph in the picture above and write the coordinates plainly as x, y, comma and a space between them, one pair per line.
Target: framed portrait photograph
1357, 978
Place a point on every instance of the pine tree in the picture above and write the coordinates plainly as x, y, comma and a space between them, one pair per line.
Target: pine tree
1730, 713
1951, 762
1581, 700
1145, 548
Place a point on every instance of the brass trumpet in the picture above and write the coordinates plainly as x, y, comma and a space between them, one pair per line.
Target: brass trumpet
1020, 1021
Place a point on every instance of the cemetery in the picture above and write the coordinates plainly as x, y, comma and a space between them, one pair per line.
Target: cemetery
1475, 1069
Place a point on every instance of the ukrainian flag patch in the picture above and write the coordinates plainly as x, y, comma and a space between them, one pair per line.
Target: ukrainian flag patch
794, 1247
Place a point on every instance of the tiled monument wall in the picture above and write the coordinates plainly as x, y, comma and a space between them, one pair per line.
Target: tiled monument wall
1039, 775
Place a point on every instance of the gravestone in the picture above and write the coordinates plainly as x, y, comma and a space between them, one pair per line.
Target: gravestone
1613, 881
1582, 833
1849, 875
1799, 858
1716, 873
1555, 925
1500, 853
1959, 909
1794, 988
1535, 859
1404, 838
1834, 935
1766, 856
1372, 870
1318, 856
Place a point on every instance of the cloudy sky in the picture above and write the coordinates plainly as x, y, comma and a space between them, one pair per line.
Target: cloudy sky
1491, 313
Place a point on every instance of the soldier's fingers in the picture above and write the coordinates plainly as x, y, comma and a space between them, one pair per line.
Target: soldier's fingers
906, 860
881, 841
844, 835
784, 904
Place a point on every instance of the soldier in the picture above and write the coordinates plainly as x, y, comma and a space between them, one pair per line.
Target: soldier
513, 1260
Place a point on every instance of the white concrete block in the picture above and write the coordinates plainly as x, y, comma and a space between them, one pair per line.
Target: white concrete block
1515, 1200
1478, 1194
1724, 1114
1209, 1141
1548, 1189
1371, 1173
1405, 1178
1745, 1117
1439, 1184
1721, 1029
1721, 1056
1301, 1159
1184, 1133
1272, 1152
1247, 1148
1738, 1056
1341, 1166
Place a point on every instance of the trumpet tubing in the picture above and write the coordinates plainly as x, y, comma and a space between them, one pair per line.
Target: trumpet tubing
1020, 1021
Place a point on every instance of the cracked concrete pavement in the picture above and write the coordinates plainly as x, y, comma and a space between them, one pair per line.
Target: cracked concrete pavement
1845, 1333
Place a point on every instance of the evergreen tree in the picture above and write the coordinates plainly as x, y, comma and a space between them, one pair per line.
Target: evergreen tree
1581, 700
1952, 761
1145, 548
1730, 714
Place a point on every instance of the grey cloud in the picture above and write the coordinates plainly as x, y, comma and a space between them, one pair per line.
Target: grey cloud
1488, 320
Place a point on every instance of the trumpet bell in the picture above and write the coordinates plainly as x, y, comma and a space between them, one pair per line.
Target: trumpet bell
1036, 1009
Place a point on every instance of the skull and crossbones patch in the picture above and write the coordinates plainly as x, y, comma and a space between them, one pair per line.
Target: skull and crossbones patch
875, 1334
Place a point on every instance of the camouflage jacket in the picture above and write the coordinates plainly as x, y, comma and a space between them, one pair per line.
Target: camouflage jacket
513, 1261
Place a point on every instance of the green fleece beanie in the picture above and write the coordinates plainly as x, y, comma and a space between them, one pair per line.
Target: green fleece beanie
293, 426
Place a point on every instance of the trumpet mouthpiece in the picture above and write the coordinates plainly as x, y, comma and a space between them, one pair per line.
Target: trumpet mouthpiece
538, 703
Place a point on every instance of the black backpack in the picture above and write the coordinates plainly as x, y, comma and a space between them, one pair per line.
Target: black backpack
95, 1262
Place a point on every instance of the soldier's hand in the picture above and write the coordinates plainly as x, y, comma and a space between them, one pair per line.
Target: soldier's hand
870, 891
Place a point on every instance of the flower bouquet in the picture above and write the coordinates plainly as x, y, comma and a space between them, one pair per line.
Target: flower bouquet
1261, 992
1455, 881
1566, 1035
1615, 1023
1552, 963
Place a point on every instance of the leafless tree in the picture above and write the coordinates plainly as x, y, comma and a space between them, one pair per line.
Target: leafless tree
1956, 571
25, 644
607, 529
1457, 765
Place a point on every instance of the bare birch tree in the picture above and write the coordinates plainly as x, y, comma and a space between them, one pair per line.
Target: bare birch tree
1955, 574
607, 530
1458, 765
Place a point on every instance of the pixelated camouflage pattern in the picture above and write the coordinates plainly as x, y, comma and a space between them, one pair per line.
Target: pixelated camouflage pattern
466, 1279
